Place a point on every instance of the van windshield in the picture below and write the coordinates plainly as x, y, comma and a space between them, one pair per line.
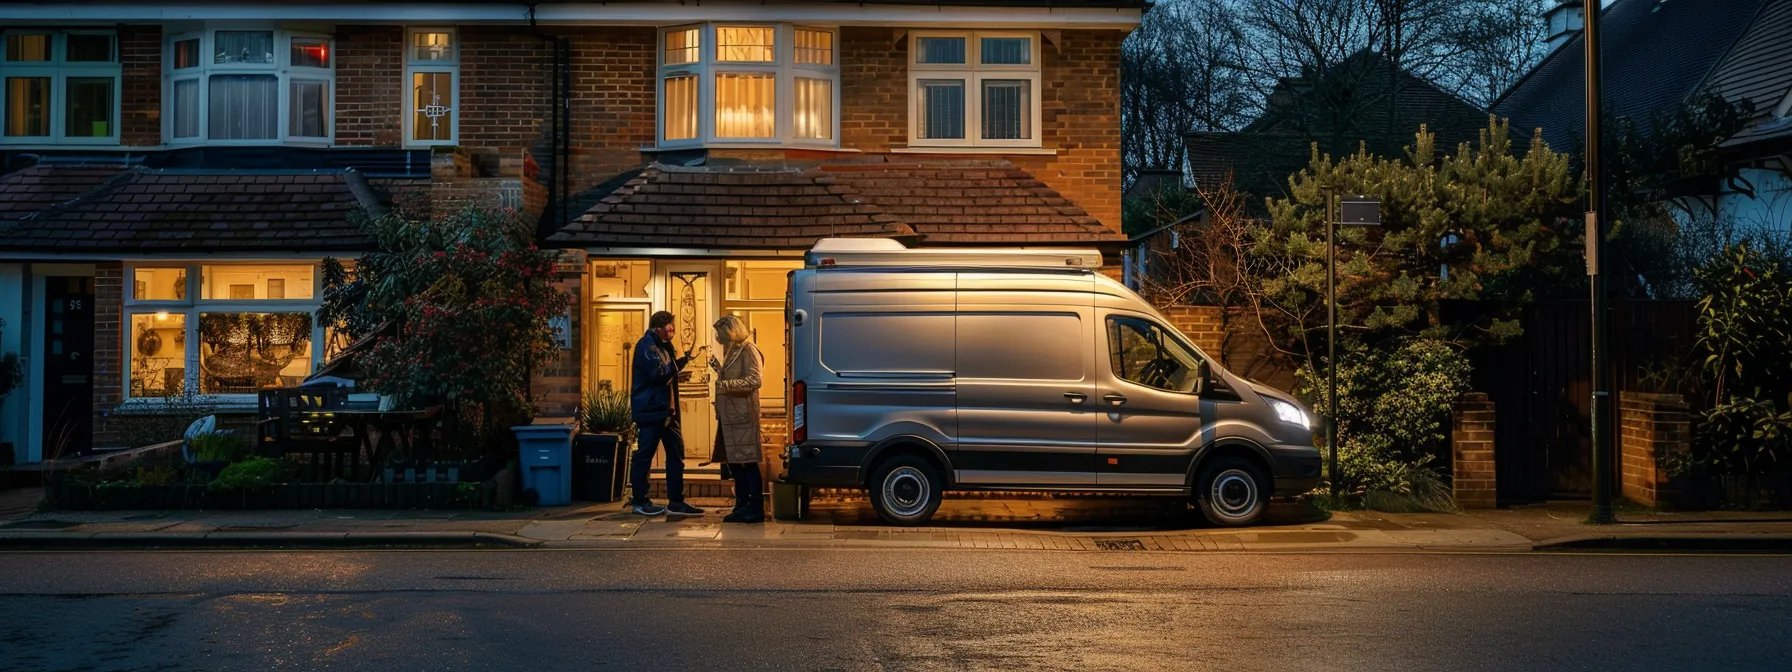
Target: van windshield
1140, 352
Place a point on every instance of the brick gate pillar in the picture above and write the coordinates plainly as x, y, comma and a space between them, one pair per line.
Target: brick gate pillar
1471, 447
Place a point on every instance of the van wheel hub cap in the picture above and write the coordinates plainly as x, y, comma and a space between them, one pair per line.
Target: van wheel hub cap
1234, 493
906, 491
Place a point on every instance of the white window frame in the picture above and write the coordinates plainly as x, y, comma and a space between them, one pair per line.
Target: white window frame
282, 69
783, 67
973, 72
413, 67
59, 70
194, 305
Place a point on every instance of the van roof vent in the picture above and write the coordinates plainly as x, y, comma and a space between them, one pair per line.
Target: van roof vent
883, 252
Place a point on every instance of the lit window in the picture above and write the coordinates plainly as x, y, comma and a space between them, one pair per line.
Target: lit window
762, 84
432, 68
250, 86
746, 105
59, 87
975, 89
746, 44
755, 293
246, 327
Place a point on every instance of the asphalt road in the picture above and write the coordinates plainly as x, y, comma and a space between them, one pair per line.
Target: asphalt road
853, 610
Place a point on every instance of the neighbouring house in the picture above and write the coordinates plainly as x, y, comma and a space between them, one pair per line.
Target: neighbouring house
1361, 102
1657, 55
170, 183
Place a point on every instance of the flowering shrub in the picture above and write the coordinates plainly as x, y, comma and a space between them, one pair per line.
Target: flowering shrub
461, 305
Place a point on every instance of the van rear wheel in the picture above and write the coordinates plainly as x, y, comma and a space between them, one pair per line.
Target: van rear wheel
1232, 492
906, 490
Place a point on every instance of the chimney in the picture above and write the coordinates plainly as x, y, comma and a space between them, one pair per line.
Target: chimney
1564, 22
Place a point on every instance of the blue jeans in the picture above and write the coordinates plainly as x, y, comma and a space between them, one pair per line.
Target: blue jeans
650, 436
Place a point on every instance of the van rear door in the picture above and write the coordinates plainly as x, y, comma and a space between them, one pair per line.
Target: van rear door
1026, 381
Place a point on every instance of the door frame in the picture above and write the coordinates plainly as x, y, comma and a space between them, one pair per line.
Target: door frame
696, 448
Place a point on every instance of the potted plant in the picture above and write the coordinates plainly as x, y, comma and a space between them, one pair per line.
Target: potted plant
605, 433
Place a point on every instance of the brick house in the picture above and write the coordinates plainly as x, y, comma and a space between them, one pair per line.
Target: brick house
171, 183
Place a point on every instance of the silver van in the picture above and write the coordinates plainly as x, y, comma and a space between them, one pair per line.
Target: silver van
914, 372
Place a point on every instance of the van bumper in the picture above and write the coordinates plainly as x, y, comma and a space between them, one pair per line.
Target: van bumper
835, 466
1296, 469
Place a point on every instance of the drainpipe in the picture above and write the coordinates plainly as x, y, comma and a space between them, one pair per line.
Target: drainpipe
560, 141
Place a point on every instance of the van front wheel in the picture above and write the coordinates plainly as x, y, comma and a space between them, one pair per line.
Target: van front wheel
906, 490
1231, 492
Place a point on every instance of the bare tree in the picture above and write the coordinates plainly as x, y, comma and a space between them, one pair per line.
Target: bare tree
1180, 76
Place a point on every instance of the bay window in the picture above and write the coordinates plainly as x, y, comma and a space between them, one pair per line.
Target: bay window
219, 329
59, 87
974, 89
765, 84
432, 68
250, 87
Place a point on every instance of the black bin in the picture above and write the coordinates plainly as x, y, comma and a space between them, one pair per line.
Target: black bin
599, 469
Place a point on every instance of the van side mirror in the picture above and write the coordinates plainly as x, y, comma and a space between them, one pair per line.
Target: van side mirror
1203, 376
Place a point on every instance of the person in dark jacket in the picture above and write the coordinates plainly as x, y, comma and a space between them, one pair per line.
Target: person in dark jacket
653, 405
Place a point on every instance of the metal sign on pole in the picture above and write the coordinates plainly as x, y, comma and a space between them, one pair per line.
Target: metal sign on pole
1358, 211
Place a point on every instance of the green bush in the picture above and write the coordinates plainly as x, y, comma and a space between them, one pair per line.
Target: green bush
219, 447
1393, 420
605, 412
261, 473
1744, 326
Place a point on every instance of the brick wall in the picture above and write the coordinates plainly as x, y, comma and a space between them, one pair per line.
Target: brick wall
1471, 444
1205, 325
370, 86
140, 61
1080, 110
1653, 426
557, 388
108, 349
615, 100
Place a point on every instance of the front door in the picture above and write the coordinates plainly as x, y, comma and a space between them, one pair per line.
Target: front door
1151, 423
690, 294
68, 366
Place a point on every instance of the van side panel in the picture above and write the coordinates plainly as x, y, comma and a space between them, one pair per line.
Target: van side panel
1026, 372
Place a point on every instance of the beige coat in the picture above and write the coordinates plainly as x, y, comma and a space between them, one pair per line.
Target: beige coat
737, 404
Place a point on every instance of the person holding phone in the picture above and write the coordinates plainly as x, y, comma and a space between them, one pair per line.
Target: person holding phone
653, 406
739, 375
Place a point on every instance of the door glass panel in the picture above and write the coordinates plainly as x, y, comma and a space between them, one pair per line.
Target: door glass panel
620, 279
616, 334
1140, 352
688, 297
158, 354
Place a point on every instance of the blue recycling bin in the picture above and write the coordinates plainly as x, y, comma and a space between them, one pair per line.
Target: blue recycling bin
544, 452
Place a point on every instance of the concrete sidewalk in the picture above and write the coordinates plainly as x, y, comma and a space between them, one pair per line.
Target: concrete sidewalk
1086, 524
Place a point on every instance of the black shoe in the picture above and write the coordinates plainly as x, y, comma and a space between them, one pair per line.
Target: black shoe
683, 509
746, 517
648, 508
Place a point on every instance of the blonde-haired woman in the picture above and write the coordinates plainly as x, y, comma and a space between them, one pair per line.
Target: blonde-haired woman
739, 374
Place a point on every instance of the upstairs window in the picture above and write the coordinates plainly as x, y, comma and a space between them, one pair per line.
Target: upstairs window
432, 69
974, 89
724, 84
59, 87
250, 87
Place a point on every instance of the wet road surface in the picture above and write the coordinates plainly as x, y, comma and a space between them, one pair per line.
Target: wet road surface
867, 610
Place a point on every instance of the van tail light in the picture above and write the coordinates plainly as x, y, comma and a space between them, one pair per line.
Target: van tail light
799, 421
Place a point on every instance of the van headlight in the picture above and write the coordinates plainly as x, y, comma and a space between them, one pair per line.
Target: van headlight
1288, 412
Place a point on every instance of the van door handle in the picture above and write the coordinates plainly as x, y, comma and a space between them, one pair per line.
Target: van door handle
1114, 398
1076, 397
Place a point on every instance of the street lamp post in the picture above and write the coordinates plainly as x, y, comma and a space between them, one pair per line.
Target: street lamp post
1602, 403
1359, 211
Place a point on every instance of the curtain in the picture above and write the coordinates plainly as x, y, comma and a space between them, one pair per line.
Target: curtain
681, 108
682, 46
186, 108
942, 109
309, 116
243, 46
1007, 50
244, 107
814, 108
746, 105
742, 43
1007, 111
940, 49
27, 107
814, 47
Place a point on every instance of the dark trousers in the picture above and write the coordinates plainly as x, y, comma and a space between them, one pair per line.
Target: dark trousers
649, 436
749, 488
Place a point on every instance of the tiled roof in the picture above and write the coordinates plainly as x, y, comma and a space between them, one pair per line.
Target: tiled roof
142, 210
934, 202
1759, 69
727, 208
1655, 55
973, 202
40, 187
